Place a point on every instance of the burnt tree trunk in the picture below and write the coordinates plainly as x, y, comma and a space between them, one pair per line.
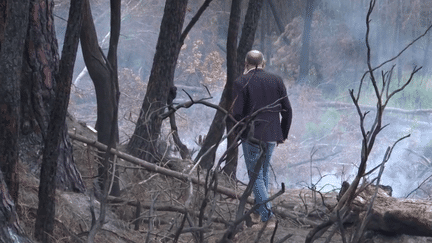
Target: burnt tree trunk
276, 16
12, 36
147, 131
304, 54
216, 130
103, 74
44, 225
38, 84
10, 229
246, 42
235, 64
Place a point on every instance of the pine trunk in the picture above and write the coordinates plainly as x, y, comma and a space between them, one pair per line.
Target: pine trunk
143, 143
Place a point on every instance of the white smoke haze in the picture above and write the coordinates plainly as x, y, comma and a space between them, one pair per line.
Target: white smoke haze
324, 143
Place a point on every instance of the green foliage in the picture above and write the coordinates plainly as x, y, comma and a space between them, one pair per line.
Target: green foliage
417, 95
327, 121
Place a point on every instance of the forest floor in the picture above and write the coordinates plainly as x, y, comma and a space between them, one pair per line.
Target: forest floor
162, 201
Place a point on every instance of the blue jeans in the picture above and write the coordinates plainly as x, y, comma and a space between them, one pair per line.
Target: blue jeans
260, 188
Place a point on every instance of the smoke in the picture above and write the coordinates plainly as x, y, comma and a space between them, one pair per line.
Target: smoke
324, 144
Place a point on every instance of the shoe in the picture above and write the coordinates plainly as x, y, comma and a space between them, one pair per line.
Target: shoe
269, 224
272, 222
256, 218
252, 219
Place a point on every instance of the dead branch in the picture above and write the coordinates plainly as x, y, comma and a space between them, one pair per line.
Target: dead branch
359, 233
178, 232
419, 186
153, 167
285, 238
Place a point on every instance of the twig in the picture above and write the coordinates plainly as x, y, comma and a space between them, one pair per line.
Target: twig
179, 230
285, 238
137, 215
313, 160
114, 164
341, 227
150, 223
419, 186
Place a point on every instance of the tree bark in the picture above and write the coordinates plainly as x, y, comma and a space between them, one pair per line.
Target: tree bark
104, 75
16, 15
3, 15
100, 74
143, 142
38, 84
10, 229
44, 225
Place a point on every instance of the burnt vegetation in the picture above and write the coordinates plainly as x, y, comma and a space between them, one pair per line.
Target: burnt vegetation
134, 141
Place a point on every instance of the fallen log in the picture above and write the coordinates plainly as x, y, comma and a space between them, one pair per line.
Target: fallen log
395, 216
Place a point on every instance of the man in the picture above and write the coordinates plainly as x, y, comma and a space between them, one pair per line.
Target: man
257, 89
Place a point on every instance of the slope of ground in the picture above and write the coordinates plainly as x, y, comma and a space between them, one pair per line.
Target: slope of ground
162, 202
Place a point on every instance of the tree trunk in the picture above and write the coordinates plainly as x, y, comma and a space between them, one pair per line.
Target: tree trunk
217, 127
398, 35
147, 131
246, 42
304, 55
40, 64
104, 76
264, 26
392, 215
44, 225
14, 21
236, 55
278, 20
10, 229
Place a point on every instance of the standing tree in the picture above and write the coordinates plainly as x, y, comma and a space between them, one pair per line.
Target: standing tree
33, 51
30, 76
10, 229
44, 225
235, 64
304, 55
103, 72
12, 36
143, 143
148, 127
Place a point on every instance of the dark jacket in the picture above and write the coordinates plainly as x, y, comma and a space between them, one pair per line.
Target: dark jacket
255, 90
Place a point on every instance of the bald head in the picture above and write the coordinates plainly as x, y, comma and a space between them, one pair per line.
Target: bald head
254, 58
